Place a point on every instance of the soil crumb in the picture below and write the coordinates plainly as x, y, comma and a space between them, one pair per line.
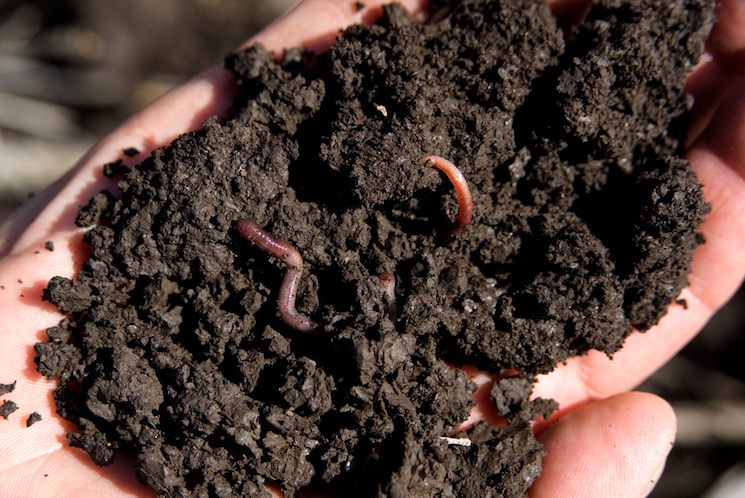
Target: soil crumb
7, 408
32, 419
584, 222
7, 388
116, 168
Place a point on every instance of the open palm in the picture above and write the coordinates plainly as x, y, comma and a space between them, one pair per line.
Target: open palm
604, 439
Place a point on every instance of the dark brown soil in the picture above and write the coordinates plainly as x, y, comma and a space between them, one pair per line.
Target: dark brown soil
32, 419
7, 388
7, 408
584, 224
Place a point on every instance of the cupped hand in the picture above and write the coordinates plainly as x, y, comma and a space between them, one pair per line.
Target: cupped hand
605, 439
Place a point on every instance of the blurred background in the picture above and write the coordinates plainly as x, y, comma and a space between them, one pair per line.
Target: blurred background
71, 70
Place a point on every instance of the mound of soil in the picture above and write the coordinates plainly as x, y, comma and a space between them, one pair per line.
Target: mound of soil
584, 223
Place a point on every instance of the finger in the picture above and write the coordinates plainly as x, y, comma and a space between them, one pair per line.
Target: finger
614, 447
727, 40
570, 12
719, 159
707, 83
314, 24
720, 67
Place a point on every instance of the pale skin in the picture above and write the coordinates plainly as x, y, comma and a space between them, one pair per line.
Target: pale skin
605, 441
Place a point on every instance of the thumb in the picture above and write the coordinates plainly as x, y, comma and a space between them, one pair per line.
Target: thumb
616, 446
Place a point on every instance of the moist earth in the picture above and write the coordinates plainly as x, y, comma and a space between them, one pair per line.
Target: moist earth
584, 222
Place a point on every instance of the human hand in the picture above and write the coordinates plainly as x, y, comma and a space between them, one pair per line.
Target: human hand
605, 436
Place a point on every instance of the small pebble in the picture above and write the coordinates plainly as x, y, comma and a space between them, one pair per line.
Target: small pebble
49, 245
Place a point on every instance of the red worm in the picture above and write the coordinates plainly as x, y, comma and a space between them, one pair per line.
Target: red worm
289, 255
389, 281
465, 203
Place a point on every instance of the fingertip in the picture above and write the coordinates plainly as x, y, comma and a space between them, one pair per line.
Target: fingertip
619, 444
315, 24
727, 40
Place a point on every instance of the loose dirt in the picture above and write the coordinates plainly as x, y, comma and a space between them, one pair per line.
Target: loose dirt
584, 224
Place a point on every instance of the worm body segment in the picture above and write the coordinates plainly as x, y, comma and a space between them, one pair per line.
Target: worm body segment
389, 281
278, 248
465, 202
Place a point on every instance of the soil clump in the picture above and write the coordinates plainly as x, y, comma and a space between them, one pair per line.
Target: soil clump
584, 224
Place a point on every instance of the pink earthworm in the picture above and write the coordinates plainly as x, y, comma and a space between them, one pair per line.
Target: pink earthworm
389, 281
278, 248
465, 202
